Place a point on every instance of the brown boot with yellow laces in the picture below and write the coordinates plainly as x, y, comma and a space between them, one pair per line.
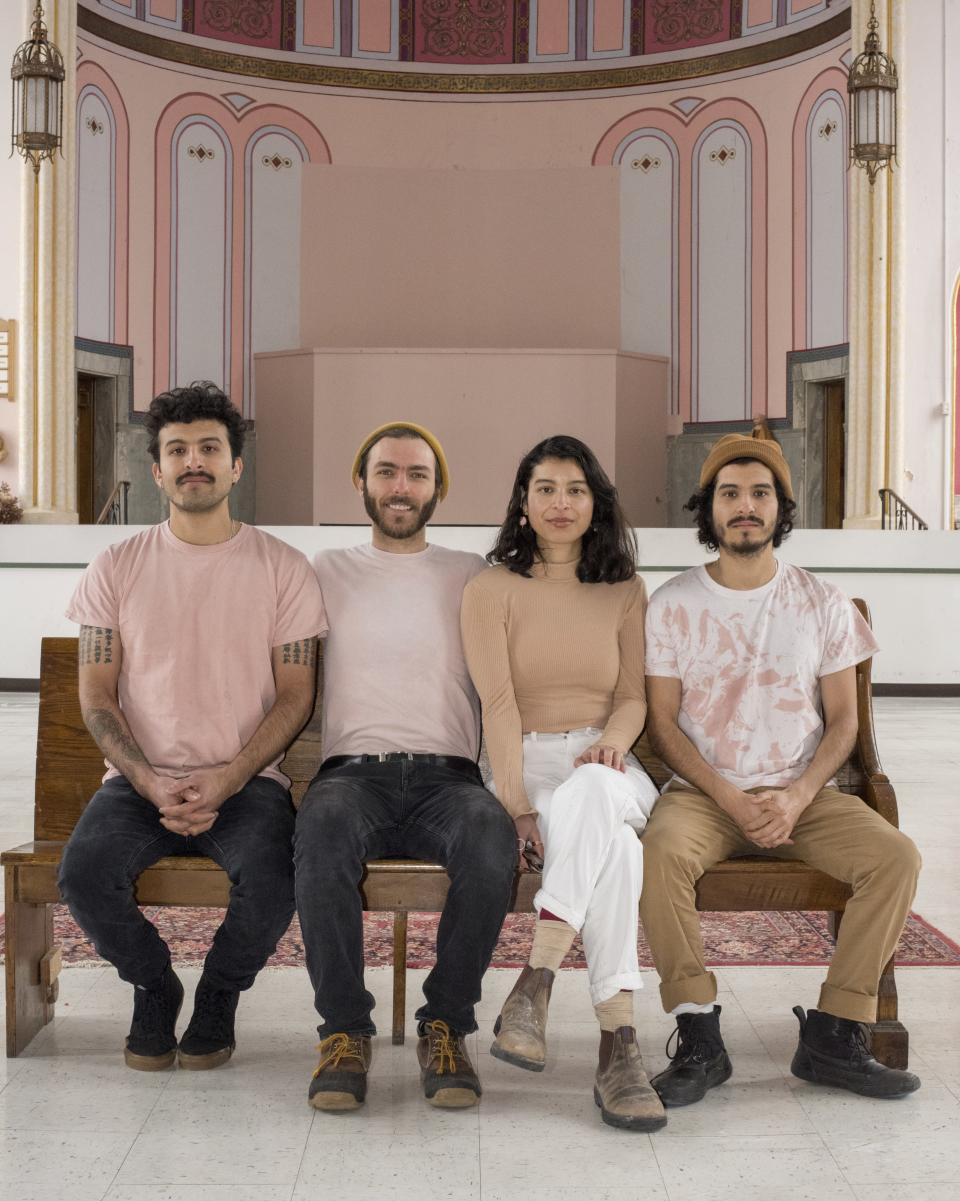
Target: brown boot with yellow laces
340, 1081
448, 1077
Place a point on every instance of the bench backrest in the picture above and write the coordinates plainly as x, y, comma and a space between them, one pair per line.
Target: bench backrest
70, 766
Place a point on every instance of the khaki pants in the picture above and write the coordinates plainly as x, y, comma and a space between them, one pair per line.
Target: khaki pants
838, 833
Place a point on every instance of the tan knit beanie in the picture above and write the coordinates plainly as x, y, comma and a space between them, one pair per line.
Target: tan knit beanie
742, 446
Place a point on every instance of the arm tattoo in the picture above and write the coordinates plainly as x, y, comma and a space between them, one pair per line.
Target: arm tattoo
300, 654
96, 645
116, 743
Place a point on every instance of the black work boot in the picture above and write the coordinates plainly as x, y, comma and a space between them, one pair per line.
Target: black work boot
448, 1078
152, 1041
699, 1062
208, 1041
836, 1051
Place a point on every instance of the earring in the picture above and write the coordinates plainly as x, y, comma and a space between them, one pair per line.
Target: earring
523, 522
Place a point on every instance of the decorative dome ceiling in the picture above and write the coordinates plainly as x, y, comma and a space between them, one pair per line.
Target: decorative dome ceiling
471, 46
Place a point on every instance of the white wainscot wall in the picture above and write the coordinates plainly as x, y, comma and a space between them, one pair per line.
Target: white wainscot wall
910, 580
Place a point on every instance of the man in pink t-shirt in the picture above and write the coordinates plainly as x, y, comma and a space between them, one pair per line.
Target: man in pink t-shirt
399, 776
197, 669
751, 689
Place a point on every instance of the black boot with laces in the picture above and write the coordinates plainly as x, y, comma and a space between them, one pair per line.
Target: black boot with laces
836, 1051
208, 1041
152, 1041
699, 1062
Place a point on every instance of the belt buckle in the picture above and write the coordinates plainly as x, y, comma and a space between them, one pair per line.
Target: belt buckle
387, 756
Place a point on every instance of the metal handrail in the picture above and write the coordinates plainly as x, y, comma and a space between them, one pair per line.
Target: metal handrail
114, 512
896, 514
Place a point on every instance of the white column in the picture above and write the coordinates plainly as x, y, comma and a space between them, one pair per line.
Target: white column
48, 489
874, 456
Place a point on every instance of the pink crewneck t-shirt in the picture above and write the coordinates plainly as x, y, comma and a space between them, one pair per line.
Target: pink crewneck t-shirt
197, 625
394, 673
750, 664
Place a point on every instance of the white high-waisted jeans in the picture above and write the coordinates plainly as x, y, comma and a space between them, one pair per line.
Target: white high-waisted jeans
590, 818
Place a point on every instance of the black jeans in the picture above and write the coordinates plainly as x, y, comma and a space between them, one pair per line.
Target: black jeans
119, 834
407, 810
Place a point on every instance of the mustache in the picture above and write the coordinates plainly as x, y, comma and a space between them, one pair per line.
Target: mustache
194, 475
743, 521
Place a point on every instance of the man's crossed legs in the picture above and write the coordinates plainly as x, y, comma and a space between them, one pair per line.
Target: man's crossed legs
433, 808
838, 833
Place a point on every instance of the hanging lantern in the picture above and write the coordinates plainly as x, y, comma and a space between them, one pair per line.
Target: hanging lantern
38, 76
872, 84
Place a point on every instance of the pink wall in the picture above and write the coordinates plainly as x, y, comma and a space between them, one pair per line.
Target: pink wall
488, 407
452, 135
643, 382
426, 257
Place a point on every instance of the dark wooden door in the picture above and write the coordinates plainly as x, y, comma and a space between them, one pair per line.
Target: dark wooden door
834, 435
85, 469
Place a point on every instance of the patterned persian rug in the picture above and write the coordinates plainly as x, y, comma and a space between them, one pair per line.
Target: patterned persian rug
731, 940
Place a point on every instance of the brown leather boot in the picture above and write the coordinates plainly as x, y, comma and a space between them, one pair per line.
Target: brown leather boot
626, 1097
448, 1077
340, 1081
521, 1028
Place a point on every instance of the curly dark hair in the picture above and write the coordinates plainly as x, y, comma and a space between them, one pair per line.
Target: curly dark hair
701, 506
199, 401
609, 550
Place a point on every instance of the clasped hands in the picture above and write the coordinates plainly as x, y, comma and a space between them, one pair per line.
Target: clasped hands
189, 804
769, 816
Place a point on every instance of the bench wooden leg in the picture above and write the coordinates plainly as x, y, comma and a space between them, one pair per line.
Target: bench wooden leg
891, 1042
29, 940
399, 976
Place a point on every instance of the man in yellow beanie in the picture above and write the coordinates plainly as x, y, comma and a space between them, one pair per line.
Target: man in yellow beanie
399, 777
751, 693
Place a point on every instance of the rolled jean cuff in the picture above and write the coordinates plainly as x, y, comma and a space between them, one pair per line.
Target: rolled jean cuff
603, 990
546, 900
854, 1006
700, 990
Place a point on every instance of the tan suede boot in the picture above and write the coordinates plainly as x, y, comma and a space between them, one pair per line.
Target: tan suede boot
626, 1098
521, 1028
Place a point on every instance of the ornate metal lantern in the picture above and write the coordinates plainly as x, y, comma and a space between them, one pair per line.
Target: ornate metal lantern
872, 84
38, 76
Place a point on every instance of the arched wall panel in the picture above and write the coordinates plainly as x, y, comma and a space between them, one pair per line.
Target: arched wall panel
826, 222
96, 215
201, 201
649, 248
273, 163
722, 274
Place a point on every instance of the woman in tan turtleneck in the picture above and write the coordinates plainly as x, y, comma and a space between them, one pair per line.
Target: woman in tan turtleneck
553, 634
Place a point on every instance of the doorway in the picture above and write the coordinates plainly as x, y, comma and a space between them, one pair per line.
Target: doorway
96, 445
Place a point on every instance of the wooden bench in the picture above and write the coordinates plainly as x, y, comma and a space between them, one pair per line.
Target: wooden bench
69, 768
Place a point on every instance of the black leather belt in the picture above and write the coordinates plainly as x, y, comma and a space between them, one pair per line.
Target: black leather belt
454, 762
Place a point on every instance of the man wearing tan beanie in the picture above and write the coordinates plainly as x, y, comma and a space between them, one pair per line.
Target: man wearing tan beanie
399, 776
751, 694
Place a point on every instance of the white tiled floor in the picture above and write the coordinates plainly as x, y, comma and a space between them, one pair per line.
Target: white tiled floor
74, 1122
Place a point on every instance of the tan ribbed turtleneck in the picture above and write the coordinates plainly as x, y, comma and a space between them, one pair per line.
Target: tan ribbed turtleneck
549, 653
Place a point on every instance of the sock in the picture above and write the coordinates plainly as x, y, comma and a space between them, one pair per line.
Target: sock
692, 1007
551, 942
616, 1011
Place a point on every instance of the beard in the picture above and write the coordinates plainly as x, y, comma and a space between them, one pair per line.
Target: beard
399, 525
751, 546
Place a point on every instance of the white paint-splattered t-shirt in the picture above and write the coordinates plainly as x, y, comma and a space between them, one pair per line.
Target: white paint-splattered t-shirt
750, 665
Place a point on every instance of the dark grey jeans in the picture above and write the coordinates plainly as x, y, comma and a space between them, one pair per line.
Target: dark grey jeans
407, 810
119, 834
